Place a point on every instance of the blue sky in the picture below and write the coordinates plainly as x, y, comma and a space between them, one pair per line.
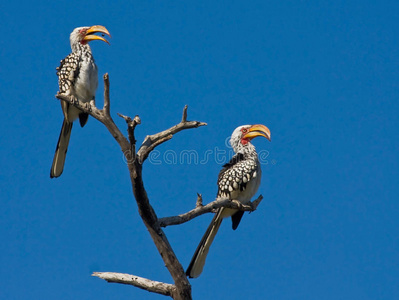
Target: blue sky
322, 75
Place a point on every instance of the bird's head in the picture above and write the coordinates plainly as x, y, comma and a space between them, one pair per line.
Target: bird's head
242, 136
85, 34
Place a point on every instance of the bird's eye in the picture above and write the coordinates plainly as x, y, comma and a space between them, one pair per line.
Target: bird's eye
244, 130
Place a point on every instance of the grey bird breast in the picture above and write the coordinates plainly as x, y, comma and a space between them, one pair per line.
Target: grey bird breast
87, 82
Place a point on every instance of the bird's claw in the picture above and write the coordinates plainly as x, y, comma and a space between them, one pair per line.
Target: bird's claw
249, 206
74, 100
238, 203
87, 106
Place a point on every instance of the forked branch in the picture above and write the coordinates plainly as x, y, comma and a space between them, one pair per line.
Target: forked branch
203, 209
152, 141
181, 290
102, 115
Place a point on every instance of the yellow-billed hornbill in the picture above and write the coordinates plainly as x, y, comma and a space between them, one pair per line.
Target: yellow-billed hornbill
77, 77
238, 180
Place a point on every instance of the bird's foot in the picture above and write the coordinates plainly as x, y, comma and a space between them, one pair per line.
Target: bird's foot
74, 100
247, 207
238, 203
87, 106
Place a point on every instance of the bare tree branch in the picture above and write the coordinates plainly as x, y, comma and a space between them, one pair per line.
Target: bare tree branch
184, 117
153, 145
151, 141
131, 125
199, 200
182, 286
100, 114
107, 103
150, 219
140, 282
203, 209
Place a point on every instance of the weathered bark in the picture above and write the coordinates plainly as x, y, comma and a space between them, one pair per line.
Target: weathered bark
181, 289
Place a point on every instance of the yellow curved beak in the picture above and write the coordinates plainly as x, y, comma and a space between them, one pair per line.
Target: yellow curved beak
258, 130
90, 36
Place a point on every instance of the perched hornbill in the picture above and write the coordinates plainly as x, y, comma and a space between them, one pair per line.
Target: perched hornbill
238, 180
77, 77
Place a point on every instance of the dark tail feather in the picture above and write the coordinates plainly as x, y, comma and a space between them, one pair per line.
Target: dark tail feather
83, 117
61, 150
236, 218
198, 261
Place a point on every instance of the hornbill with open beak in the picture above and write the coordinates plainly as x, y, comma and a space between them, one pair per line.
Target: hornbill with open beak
238, 180
77, 77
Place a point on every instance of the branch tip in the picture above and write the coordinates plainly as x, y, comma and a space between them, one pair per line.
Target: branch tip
130, 122
137, 119
199, 200
107, 102
126, 118
143, 283
255, 203
184, 117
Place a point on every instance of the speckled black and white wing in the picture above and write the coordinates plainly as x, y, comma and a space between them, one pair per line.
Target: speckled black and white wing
235, 176
68, 72
239, 180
